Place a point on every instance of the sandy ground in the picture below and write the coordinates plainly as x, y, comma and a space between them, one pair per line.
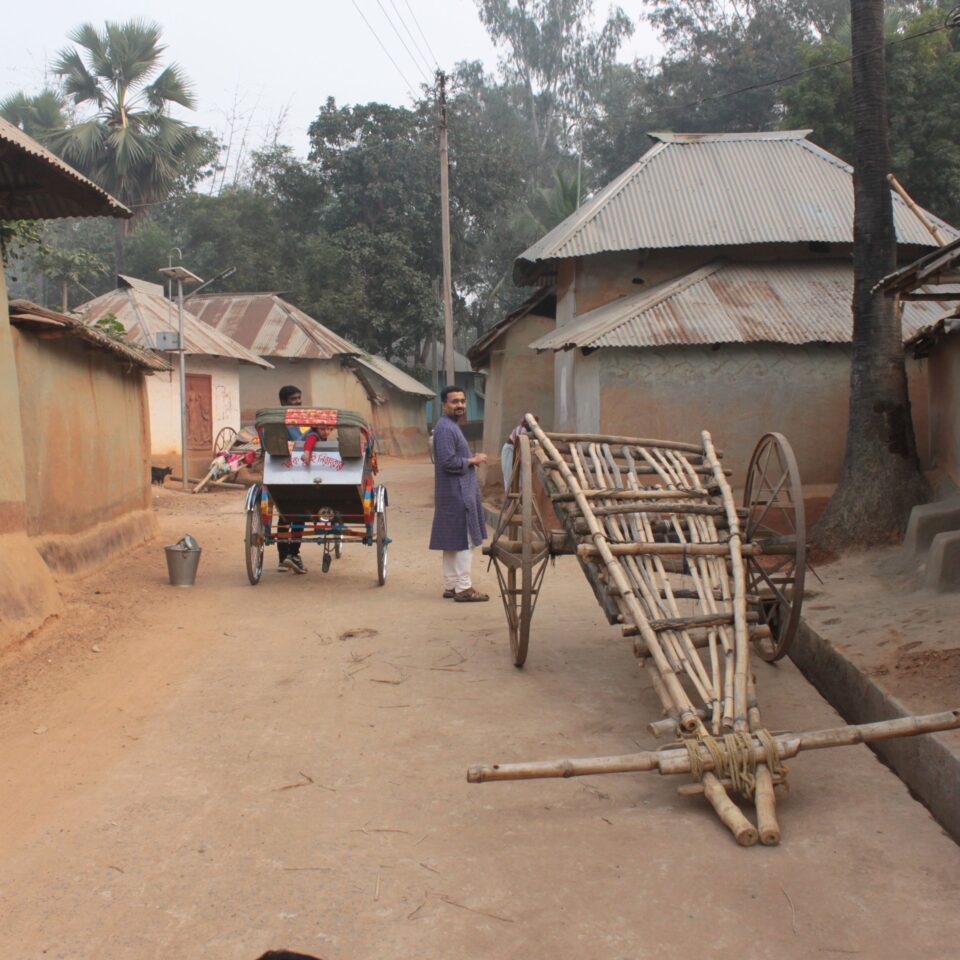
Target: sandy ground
218, 771
873, 607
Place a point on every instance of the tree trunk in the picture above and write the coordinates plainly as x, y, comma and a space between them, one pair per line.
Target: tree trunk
881, 480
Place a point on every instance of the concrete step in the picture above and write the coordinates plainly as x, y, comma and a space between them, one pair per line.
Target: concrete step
927, 521
942, 571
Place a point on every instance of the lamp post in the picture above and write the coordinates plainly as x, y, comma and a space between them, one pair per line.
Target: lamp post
181, 275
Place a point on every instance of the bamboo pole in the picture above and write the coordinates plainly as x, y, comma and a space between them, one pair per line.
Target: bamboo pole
674, 761
729, 813
625, 441
766, 805
719, 549
616, 494
916, 211
737, 552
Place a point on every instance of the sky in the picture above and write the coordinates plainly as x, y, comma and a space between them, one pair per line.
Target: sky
255, 63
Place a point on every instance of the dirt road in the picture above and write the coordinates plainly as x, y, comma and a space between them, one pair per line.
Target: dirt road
218, 771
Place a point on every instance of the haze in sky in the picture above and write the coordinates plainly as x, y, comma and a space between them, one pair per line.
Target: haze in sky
256, 64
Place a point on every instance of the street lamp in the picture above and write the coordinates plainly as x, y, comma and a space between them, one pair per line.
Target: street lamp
181, 275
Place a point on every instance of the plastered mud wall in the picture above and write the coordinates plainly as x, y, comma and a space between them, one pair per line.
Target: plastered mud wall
28, 594
86, 452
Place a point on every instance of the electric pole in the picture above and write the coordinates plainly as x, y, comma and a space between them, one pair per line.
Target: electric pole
445, 233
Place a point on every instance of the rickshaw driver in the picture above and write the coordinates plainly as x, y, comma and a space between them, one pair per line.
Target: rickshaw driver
289, 550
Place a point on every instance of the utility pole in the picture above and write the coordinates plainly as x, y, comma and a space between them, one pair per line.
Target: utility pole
445, 233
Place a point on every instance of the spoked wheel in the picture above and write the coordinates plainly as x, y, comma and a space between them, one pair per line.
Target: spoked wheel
253, 542
382, 544
224, 440
519, 552
338, 546
773, 500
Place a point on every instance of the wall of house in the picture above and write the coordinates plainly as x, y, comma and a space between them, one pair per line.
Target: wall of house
28, 593
519, 381
85, 420
400, 423
737, 392
943, 431
325, 383
163, 390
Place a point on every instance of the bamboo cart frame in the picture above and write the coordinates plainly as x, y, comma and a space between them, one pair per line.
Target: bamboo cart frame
698, 583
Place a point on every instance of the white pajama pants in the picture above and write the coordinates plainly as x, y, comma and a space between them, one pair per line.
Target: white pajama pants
456, 570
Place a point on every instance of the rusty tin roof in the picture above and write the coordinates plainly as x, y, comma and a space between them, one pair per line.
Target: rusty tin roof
37, 185
711, 190
144, 314
30, 315
792, 302
269, 326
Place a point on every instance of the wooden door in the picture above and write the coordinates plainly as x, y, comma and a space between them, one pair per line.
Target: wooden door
199, 388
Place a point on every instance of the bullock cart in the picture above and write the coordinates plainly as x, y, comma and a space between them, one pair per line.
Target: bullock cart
701, 586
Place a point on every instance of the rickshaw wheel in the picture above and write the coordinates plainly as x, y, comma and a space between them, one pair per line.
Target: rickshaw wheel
224, 440
338, 546
253, 541
382, 548
773, 500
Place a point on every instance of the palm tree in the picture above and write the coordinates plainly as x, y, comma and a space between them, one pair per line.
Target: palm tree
881, 478
131, 146
37, 115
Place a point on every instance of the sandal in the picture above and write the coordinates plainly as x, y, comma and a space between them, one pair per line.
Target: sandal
448, 594
470, 596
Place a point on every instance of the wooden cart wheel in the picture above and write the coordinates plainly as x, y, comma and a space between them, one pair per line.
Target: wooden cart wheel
381, 547
773, 500
253, 542
224, 440
519, 552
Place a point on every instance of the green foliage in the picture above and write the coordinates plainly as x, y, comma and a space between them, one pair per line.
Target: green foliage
923, 90
109, 324
37, 115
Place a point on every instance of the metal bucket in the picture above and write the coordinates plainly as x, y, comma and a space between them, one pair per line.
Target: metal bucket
183, 558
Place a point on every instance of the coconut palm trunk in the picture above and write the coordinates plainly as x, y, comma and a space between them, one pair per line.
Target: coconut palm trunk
881, 480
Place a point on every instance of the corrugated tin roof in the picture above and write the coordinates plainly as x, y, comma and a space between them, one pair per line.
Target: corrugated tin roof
394, 376
144, 315
733, 302
37, 185
269, 326
23, 312
928, 269
708, 190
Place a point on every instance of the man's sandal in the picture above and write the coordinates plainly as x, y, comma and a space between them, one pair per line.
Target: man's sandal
470, 596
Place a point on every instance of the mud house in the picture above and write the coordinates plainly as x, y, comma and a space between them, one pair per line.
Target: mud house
330, 370
516, 382
34, 185
213, 363
936, 348
85, 420
709, 286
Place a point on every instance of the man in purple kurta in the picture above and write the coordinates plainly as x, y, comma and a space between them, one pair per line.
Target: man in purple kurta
458, 515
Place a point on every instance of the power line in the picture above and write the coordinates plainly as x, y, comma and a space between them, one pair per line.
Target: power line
420, 31
403, 42
386, 51
413, 39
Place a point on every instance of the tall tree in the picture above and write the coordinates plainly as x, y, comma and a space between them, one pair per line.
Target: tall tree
881, 480
130, 145
37, 115
553, 57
